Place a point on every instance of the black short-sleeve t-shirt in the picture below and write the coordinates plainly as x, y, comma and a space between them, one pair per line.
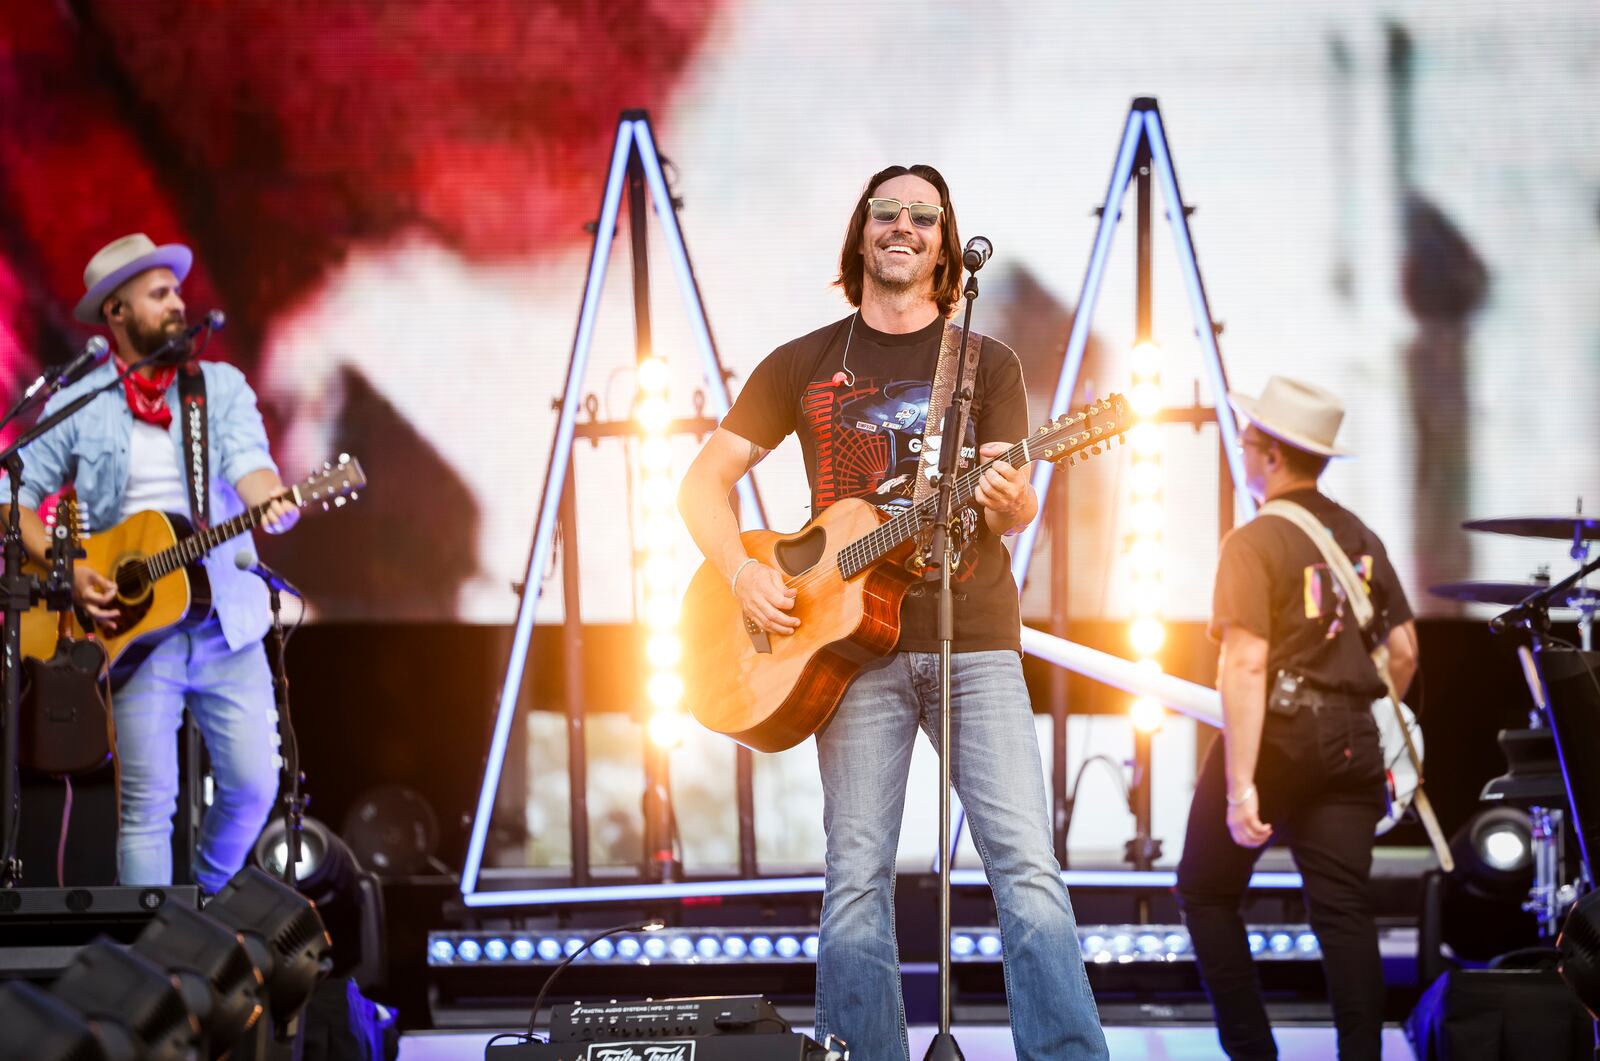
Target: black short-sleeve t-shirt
1273, 582
861, 437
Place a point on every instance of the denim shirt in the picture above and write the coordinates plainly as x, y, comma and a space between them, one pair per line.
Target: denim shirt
90, 449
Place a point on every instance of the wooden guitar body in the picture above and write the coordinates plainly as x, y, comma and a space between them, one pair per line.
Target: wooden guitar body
770, 692
149, 610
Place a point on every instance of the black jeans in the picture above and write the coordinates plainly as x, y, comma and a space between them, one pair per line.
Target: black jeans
1320, 777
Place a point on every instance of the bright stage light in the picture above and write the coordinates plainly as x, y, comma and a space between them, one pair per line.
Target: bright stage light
1147, 635
661, 612
666, 729
653, 376
665, 689
654, 415
1145, 441
1145, 399
1147, 516
1147, 715
663, 650
1145, 361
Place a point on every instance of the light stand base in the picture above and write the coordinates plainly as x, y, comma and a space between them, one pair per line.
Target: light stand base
943, 1048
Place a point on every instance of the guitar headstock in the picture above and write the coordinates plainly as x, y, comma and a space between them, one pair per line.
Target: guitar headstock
334, 484
1074, 437
69, 514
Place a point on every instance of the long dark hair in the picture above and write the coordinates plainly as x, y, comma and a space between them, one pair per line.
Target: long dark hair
946, 275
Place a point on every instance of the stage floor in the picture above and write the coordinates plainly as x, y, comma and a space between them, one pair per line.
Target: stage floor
993, 1043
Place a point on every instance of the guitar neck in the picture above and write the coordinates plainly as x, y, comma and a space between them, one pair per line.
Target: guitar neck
193, 548
875, 545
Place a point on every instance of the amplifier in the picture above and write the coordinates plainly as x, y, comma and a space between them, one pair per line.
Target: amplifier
589, 1022
756, 1047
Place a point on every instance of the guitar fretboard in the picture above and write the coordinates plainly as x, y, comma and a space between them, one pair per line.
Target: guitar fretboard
197, 545
876, 544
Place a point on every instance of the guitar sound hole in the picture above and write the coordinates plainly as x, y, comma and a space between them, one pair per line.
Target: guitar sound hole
802, 553
133, 581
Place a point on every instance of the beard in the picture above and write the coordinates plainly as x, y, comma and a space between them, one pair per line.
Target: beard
146, 341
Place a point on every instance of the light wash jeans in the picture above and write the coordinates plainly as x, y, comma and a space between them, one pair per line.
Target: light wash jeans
865, 753
230, 695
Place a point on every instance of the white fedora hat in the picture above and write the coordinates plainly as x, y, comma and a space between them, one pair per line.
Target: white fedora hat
120, 261
1295, 413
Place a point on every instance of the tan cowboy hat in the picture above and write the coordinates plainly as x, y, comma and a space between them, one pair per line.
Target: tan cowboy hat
1295, 413
120, 261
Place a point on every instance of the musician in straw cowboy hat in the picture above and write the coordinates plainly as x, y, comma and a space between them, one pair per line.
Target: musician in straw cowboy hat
125, 452
1298, 759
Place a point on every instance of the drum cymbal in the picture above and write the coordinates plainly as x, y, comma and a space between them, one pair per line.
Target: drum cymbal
1507, 593
1556, 528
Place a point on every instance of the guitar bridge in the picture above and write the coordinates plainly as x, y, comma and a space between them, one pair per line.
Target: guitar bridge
758, 636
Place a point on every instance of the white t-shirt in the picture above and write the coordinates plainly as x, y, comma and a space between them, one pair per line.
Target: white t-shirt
154, 479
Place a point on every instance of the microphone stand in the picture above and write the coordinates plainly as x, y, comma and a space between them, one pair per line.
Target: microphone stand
294, 801
944, 1047
20, 591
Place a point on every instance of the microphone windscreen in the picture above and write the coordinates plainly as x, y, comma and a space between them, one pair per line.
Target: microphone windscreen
244, 559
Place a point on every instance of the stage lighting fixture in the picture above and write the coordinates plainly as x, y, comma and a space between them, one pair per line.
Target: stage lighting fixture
348, 897
1494, 852
37, 1026
219, 984
134, 1004
1481, 913
1579, 944
391, 830
283, 934
325, 867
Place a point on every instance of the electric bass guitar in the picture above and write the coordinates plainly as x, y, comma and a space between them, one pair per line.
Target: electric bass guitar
154, 559
849, 570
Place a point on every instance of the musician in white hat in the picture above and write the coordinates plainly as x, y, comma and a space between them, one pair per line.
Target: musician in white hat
1298, 761
126, 452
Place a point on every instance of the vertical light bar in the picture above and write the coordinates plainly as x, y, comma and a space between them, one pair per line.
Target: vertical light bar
1199, 307
1146, 559
1078, 339
663, 686
716, 385
545, 523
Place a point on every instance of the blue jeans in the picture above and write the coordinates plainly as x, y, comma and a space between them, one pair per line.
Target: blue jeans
865, 753
230, 695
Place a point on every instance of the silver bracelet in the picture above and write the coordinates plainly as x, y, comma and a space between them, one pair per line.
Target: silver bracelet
1244, 797
733, 583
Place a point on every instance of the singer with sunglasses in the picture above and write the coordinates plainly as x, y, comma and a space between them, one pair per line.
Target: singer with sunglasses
126, 453
856, 391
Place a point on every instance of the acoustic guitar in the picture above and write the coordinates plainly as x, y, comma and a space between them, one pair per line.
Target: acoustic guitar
154, 558
849, 568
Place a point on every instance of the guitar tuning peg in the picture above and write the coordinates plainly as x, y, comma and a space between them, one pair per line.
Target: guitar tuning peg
354, 495
325, 506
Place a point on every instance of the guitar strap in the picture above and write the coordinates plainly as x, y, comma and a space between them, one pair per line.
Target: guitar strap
196, 445
944, 377
1361, 607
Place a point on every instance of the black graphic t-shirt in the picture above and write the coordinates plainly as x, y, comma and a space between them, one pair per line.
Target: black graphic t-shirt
1273, 582
862, 435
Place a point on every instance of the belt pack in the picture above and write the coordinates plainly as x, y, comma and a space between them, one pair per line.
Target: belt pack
1290, 692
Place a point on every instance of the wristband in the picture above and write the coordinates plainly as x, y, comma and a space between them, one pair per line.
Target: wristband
733, 583
1244, 797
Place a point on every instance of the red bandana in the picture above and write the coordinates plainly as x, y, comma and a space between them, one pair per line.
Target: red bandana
147, 397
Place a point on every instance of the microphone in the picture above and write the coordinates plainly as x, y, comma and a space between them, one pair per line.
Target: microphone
977, 252
93, 350
245, 560
76, 369
214, 321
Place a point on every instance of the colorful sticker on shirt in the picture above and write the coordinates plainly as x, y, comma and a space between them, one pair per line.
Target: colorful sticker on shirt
1323, 595
868, 444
